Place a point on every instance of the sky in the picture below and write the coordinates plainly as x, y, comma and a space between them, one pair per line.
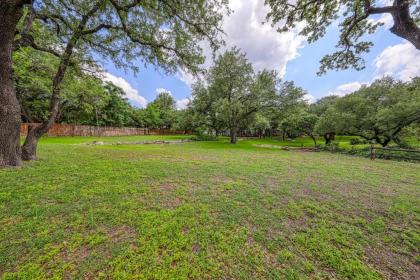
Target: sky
288, 53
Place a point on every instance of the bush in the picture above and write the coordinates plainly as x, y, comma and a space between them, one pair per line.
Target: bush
404, 144
357, 141
200, 135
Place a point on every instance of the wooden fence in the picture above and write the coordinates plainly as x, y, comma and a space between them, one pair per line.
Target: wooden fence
373, 153
86, 130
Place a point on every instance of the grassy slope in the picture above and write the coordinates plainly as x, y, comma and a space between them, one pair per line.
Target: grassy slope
207, 210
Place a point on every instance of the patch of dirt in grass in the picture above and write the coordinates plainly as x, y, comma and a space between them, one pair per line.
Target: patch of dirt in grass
376, 201
268, 146
167, 186
121, 234
196, 248
294, 225
392, 265
172, 203
76, 258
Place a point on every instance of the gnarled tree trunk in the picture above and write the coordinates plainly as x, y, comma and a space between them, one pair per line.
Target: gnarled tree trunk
35, 133
10, 119
404, 25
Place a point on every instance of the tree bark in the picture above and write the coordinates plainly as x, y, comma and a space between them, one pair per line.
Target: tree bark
404, 25
10, 115
35, 133
385, 142
31, 141
313, 139
329, 137
233, 135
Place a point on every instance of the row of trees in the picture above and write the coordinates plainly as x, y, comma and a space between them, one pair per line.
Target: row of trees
85, 97
163, 33
233, 98
380, 112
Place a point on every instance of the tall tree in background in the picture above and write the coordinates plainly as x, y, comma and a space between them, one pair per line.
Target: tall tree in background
203, 107
166, 106
380, 112
161, 113
291, 103
317, 15
161, 33
10, 13
326, 124
235, 93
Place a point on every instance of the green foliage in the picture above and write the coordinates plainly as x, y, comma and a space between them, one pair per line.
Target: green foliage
85, 99
357, 141
201, 135
380, 111
161, 113
162, 34
328, 122
233, 97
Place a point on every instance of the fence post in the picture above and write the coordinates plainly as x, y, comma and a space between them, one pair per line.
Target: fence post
372, 152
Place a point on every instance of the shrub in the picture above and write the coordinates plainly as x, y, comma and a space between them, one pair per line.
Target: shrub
200, 135
404, 144
357, 141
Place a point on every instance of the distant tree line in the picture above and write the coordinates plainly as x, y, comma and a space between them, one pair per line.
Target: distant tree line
232, 99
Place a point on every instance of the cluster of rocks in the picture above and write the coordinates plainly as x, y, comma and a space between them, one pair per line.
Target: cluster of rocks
100, 143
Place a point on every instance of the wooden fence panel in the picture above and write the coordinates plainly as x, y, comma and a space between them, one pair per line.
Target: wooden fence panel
86, 130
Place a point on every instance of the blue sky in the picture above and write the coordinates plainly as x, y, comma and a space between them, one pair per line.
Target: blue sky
287, 53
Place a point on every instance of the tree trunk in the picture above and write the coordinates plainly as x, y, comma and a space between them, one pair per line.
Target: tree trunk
385, 142
10, 115
313, 139
35, 133
233, 136
329, 137
404, 25
31, 141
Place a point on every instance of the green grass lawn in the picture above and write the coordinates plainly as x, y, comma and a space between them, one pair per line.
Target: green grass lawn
207, 210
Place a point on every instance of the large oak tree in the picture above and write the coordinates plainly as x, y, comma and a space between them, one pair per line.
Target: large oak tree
162, 33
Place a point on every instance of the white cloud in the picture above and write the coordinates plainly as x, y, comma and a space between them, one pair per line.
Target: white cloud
130, 92
186, 78
182, 103
309, 98
386, 19
344, 89
265, 47
401, 61
161, 90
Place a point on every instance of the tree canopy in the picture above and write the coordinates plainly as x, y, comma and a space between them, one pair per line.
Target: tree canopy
165, 34
380, 111
355, 22
232, 94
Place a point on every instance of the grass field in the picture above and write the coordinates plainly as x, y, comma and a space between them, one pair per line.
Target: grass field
207, 210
